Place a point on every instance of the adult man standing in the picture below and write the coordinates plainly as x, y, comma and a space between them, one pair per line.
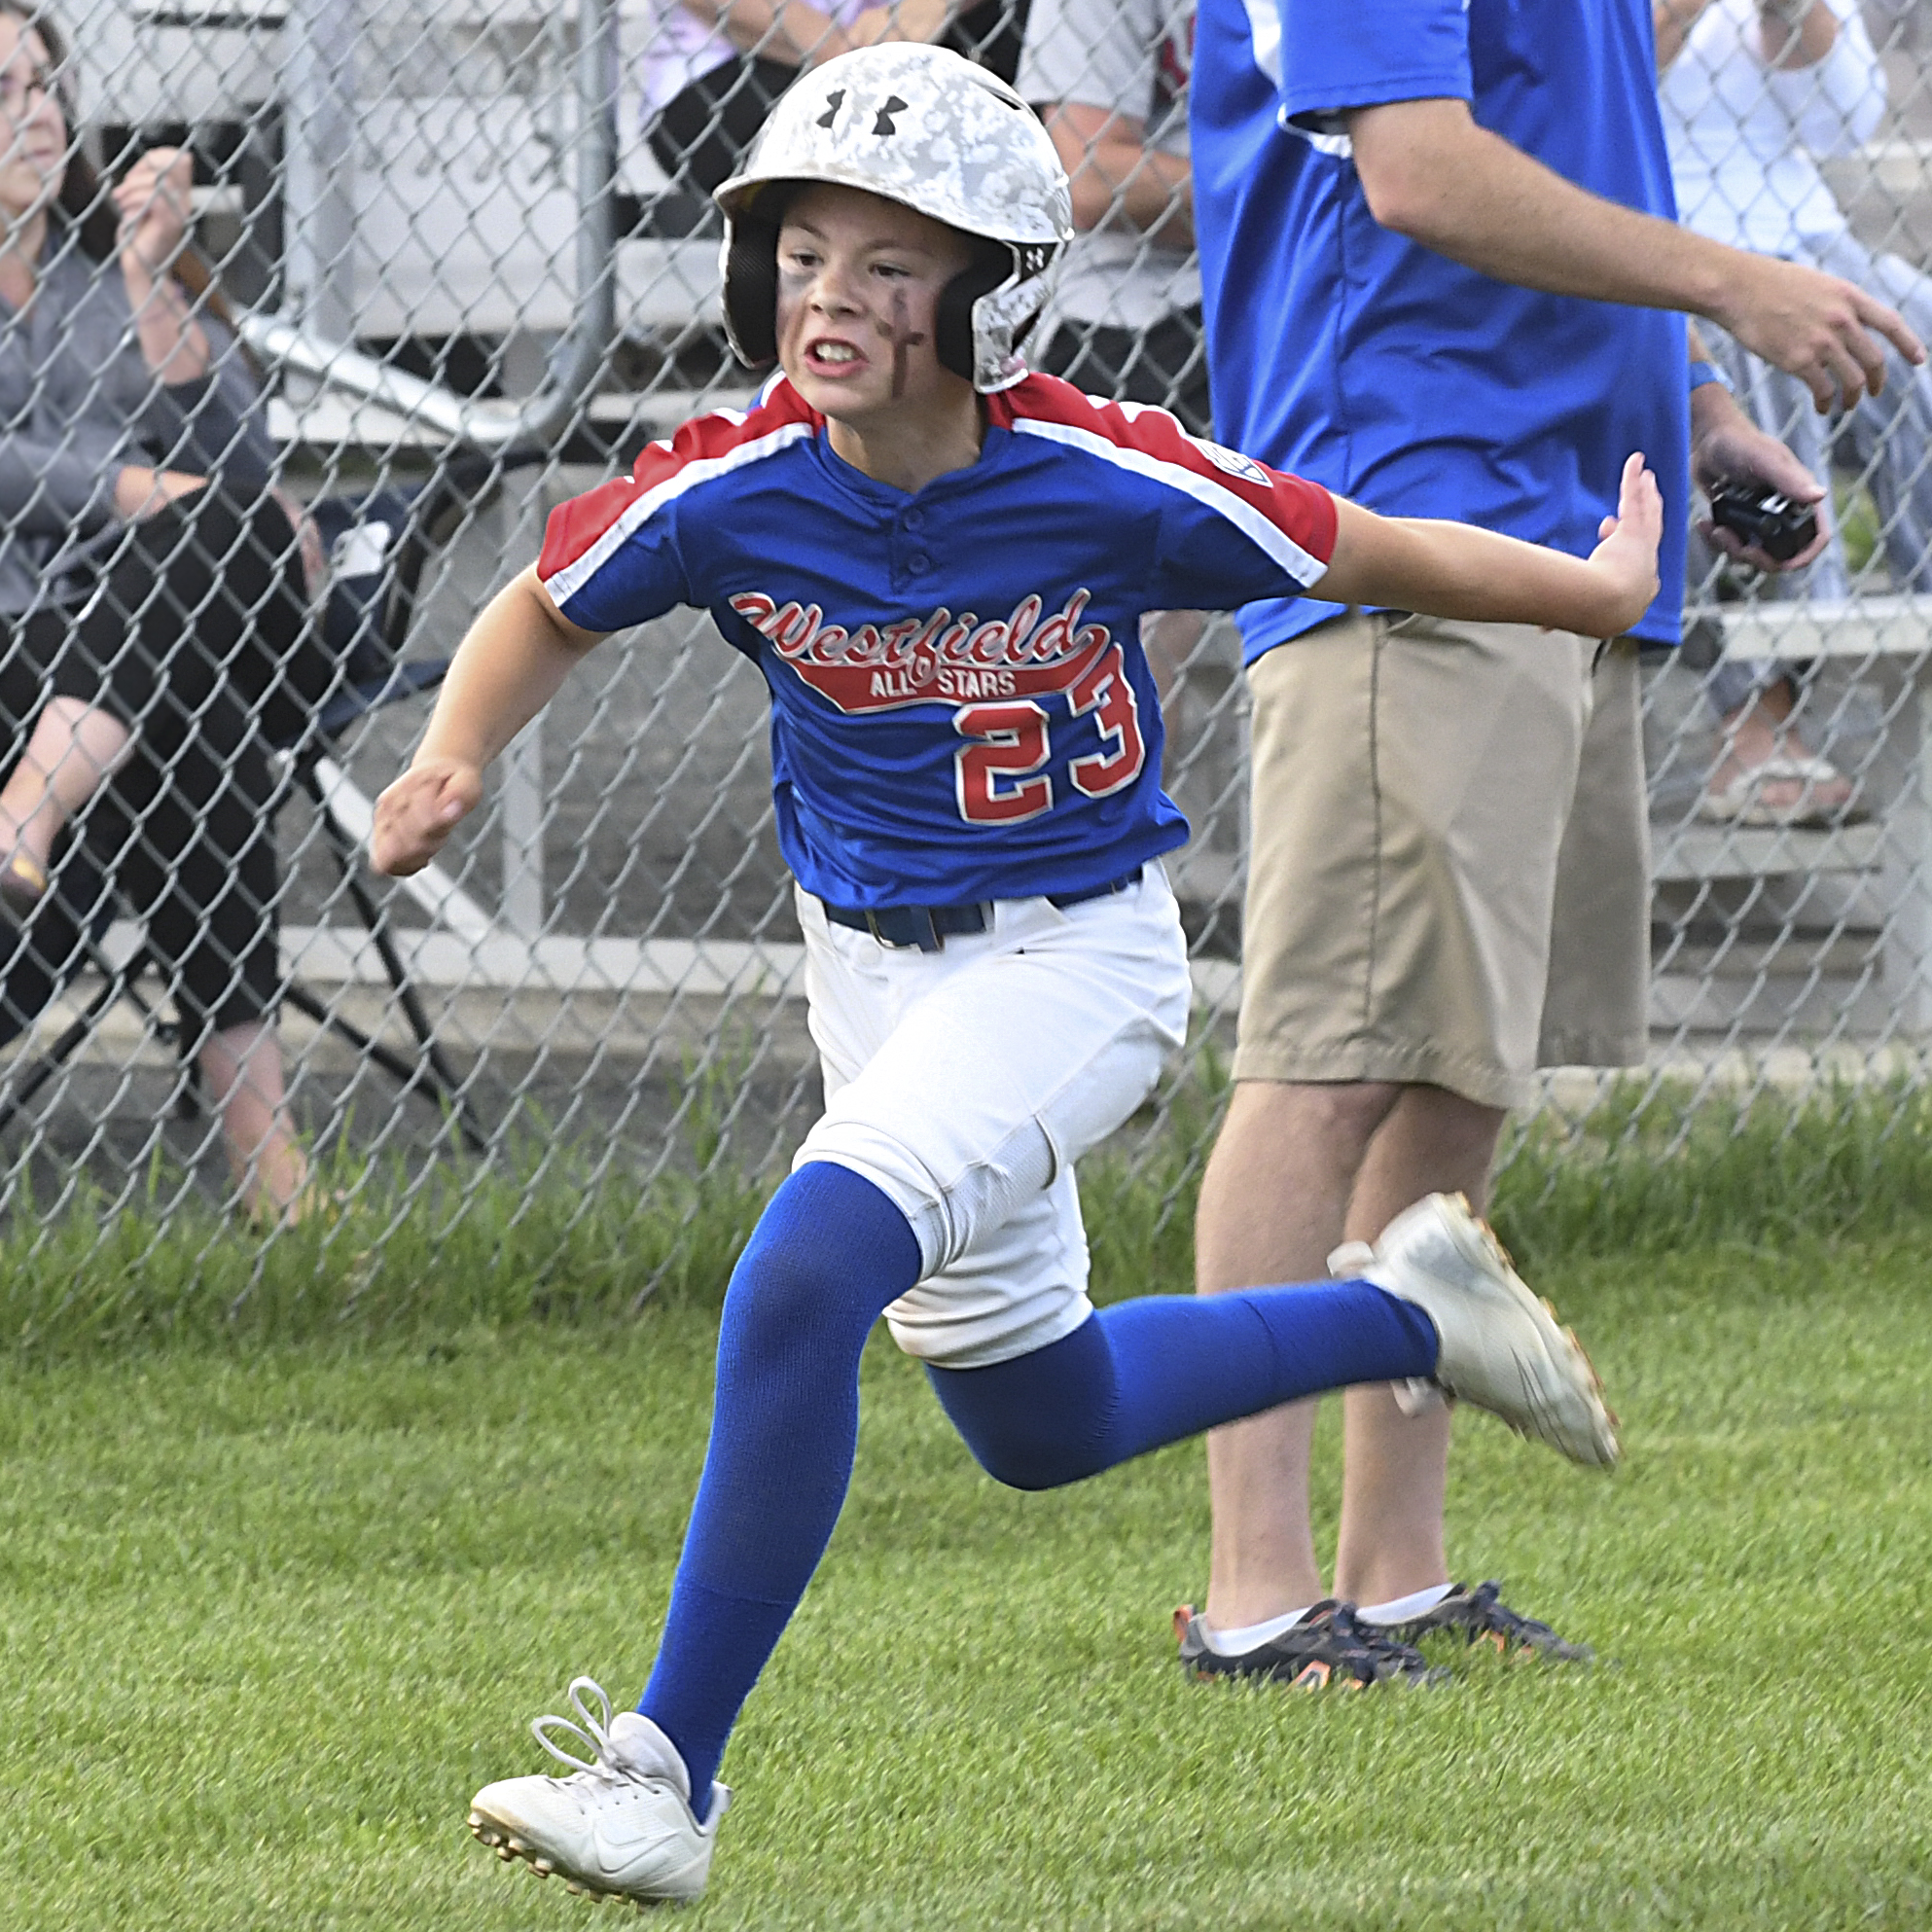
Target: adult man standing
1440, 267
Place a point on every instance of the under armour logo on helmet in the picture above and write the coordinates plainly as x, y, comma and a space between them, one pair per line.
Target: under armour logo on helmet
883, 125
833, 102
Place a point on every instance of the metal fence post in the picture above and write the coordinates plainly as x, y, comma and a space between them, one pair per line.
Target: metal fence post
319, 95
320, 344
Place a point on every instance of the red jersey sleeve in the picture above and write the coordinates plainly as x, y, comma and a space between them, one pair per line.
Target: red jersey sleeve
610, 557
1233, 531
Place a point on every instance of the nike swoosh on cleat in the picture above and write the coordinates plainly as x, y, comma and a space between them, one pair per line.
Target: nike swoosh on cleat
611, 1861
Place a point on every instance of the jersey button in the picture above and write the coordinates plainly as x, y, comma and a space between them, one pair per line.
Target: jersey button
916, 519
918, 563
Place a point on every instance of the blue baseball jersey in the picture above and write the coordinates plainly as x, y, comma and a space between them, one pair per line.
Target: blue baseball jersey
1401, 379
960, 706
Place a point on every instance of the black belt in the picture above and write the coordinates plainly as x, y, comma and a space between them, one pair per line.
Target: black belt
929, 927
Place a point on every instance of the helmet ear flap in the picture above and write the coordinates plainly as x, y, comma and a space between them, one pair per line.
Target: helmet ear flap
751, 277
993, 263
751, 291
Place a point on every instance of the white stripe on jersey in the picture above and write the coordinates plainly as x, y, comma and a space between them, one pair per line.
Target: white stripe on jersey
1260, 530
1265, 37
577, 573
1265, 33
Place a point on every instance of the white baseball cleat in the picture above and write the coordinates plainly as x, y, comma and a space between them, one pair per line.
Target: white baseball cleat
1500, 1347
620, 1825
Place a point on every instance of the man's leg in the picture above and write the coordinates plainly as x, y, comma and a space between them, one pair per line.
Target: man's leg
1274, 1206
1395, 1467
1396, 892
1298, 1169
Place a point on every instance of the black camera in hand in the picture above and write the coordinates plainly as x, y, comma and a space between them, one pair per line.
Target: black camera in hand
1764, 517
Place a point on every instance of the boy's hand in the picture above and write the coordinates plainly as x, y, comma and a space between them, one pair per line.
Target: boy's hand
416, 815
1627, 557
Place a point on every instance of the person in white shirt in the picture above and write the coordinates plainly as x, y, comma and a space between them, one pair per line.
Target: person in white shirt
1110, 79
1754, 93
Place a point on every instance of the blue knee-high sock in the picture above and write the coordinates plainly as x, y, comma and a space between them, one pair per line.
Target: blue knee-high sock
1145, 1372
826, 1257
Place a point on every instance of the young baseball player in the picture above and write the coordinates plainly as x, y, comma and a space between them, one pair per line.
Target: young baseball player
939, 563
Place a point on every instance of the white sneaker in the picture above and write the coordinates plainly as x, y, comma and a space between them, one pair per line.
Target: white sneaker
1500, 1347
620, 1825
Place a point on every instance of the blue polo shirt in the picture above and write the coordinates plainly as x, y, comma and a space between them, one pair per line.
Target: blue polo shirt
1345, 353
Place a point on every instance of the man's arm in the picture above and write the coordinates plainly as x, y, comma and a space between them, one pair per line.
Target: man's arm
1110, 166
1431, 173
1795, 35
1790, 33
1455, 570
510, 665
1672, 21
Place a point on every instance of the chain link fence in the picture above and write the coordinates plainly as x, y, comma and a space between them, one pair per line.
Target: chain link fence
470, 265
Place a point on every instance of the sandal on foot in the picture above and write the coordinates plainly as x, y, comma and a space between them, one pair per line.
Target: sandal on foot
23, 886
1742, 800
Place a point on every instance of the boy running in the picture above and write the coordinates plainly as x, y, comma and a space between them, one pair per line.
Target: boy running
940, 563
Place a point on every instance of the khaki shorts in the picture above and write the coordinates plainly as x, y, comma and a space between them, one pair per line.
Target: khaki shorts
1449, 877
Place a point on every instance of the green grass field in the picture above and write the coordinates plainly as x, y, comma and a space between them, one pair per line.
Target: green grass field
272, 1606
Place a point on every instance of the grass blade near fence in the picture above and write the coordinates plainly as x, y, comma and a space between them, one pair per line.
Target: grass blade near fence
386, 1254
1646, 1172
556, 1235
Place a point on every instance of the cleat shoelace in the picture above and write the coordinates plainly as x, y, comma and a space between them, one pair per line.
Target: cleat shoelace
589, 1731
1382, 1654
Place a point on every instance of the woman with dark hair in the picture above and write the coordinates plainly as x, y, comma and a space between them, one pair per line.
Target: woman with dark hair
152, 605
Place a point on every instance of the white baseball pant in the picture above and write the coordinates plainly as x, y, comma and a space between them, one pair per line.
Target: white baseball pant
964, 1083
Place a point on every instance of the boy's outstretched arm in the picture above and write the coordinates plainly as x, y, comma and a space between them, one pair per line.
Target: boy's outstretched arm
1455, 570
507, 668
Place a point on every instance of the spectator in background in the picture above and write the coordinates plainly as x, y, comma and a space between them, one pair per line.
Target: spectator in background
152, 605
712, 68
1110, 80
1751, 92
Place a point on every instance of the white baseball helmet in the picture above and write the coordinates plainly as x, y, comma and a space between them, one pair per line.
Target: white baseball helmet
922, 127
